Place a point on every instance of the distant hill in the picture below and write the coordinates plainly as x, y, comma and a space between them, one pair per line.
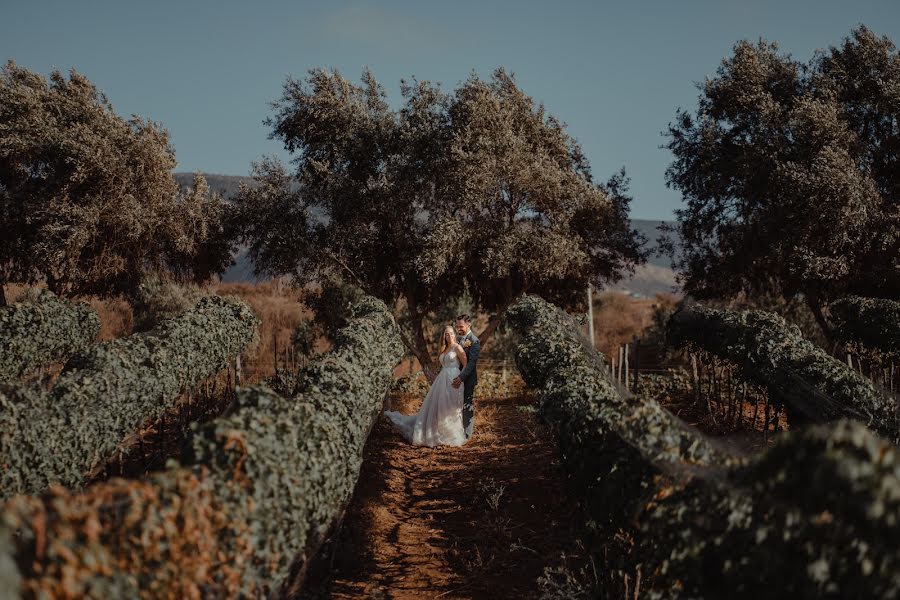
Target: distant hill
226, 185
649, 229
653, 278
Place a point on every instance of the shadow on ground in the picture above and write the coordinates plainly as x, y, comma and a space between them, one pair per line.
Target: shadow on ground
478, 521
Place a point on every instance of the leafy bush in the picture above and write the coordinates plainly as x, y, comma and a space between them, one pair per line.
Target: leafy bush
261, 486
150, 538
158, 299
869, 322
812, 385
43, 331
108, 391
612, 445
333, 305
817, 515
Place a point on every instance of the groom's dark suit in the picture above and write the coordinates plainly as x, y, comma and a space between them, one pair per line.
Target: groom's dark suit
469, 376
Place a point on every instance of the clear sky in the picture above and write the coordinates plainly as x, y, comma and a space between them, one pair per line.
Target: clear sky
615, 72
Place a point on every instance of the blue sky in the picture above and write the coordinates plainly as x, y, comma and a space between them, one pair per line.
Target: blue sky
614, 72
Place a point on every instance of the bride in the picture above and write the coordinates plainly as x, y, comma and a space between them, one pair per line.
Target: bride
439, 420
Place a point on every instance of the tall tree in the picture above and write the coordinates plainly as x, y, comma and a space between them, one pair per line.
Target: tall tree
88, 201
790, 175
476, 191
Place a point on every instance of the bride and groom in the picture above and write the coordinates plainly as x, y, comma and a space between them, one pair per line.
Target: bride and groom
447, 414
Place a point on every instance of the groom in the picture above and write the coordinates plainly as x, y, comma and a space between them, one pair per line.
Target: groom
468, 377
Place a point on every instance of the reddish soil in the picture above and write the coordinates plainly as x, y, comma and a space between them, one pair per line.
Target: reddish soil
422, 525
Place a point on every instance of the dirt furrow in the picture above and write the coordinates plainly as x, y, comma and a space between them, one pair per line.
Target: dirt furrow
478, 521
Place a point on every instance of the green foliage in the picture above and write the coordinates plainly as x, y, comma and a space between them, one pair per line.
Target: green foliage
873, 323
304, 338
816, 515
302, 454
44, 331
790, 174
452, 192
110, 390
157, 298
261, 487
331, 304
88, 199
812, 385
613, 445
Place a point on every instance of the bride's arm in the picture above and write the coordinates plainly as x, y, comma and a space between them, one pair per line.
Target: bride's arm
461, 356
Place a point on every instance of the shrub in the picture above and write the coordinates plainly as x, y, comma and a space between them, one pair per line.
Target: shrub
43, 331
260, 488
613, 445
816, 515
812, 385
108, 391
157, 299
870, 322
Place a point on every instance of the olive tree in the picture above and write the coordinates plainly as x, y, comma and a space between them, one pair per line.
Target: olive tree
790, 175
88, 201
478, 191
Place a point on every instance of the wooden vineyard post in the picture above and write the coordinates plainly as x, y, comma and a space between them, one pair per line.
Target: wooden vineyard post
237, 370
619, 375
275, 351
590, 316
695, 374
637, 345
625, 353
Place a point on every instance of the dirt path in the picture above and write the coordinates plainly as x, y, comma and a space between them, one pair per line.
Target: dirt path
478, 521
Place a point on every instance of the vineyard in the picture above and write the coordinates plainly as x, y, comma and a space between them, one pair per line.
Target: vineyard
194, 369
255, 493
681, 515
244, 507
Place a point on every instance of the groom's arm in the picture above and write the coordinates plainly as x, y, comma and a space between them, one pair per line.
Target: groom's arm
473, 356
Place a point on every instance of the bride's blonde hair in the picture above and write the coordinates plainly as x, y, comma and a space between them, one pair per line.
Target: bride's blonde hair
444, 344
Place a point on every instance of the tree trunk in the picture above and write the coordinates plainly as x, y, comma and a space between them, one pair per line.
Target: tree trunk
491, 327
816, 307
3, 301
419, 345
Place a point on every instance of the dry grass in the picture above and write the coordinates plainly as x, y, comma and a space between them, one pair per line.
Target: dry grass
280, 311
116, 317
619, 318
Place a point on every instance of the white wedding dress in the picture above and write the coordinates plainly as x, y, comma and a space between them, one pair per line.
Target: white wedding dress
439, 419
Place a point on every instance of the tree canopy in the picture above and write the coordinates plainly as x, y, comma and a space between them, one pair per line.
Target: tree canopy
790, 174
478, 190
88, 200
